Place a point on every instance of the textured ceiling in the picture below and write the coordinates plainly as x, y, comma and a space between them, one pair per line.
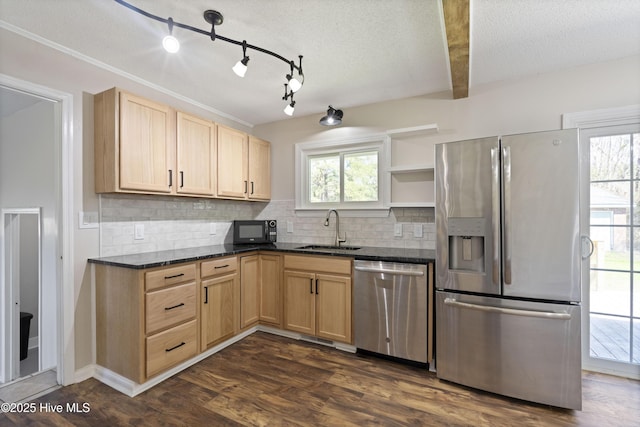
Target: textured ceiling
355, 52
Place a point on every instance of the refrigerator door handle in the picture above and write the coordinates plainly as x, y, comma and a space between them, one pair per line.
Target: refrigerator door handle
525, 313
506, 171
495, 213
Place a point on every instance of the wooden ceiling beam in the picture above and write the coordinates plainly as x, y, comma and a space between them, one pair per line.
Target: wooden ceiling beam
456, 20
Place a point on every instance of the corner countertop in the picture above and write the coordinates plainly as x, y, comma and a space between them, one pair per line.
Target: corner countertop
176, 256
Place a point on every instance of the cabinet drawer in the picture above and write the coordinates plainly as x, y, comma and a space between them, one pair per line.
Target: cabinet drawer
326, 264
218, 266
171, 347
169, 276
170, 306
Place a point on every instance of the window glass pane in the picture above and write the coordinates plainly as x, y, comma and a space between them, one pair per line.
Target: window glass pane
610, 157
609, 338
610, 203
361, 177
324, 179
611, 248
610, 292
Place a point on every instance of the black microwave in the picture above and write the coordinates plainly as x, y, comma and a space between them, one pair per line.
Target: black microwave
252, 231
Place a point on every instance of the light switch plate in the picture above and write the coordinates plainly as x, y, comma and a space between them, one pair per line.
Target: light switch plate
417, 230
289, 226
397, 230
212, 228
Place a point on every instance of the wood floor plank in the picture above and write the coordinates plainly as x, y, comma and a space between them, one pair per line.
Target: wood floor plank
268, 380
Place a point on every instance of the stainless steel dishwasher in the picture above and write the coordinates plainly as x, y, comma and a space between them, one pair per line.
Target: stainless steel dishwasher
390, 305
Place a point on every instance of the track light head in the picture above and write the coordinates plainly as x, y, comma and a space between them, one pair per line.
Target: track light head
333, 117
290, 108
170, 43
241, 66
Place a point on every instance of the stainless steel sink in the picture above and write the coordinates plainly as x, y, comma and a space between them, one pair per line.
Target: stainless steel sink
329, 248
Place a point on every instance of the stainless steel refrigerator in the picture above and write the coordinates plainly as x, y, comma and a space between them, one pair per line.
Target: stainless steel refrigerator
508, 265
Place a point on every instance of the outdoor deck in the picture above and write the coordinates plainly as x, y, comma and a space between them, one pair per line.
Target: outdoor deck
610, 339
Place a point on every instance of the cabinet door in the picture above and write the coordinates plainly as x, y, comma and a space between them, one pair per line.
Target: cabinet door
299, 302
249, 290
232, 163
218, 309
270, 300
146, 148
196, 151
259, 169
333, 305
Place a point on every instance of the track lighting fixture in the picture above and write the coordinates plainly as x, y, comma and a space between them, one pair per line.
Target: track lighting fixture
170, 43
294, 79
333, 117
241, 66
288, 110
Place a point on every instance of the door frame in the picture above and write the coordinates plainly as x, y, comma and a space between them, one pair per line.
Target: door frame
65, 283
621, 116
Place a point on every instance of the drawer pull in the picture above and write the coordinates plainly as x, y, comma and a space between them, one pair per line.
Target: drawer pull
174, 276
173, 348
175, 306
221, 266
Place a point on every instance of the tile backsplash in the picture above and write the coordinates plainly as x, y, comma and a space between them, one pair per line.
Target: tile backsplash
165, 222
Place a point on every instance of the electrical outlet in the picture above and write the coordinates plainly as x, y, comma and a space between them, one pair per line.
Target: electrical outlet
138, 231
417, 230
212, 228
289, 226
397, 230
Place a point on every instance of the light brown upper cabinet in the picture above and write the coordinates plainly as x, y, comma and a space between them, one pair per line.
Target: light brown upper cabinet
134, 144
244, 166
145, 147
196, 152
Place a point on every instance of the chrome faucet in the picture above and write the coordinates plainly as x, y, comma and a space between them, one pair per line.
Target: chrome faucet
326, 224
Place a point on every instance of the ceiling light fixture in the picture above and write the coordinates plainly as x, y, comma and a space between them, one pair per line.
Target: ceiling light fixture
170, 43
288, 110
241, 66
333, 117
294, 79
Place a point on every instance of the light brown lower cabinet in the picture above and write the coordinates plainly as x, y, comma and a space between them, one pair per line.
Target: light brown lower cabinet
318, 303
146, 320
249, 290
219, 318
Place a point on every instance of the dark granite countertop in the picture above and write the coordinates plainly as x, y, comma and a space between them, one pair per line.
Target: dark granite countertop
176, 256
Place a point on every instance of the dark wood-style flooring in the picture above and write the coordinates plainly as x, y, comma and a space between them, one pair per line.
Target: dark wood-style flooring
270, 380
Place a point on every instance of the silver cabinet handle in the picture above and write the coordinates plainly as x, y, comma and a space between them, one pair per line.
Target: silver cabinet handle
390, 271
514, 312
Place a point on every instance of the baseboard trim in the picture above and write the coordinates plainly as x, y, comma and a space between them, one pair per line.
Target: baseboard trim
131, 388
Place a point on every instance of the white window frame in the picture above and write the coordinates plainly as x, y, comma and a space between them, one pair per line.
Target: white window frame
367, 143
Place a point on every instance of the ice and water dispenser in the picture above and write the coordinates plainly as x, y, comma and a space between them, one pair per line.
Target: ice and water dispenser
466, 244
